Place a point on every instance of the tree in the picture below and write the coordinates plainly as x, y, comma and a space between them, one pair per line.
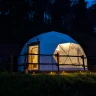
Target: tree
12, 17
59, 12
92, 14
81, 22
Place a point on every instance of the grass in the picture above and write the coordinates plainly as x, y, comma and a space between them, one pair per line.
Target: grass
66, 84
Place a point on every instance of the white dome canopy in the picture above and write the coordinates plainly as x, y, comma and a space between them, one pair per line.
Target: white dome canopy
49, 42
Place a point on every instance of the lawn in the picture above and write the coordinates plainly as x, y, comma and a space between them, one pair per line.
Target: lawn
66, 84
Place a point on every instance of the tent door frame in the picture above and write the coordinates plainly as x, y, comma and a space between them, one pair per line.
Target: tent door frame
33, 44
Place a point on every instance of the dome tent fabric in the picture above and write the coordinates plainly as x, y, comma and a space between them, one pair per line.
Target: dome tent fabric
49, 43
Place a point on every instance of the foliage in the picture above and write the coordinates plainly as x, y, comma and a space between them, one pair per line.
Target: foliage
68, 84
32, 17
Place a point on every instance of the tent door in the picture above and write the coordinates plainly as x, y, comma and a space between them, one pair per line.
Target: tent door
33, 58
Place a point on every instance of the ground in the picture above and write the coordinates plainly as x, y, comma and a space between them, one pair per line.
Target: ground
65, 84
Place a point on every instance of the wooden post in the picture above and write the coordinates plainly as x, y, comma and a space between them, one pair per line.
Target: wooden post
83, 62
11, 56
25, 65
38, 53
25, 61
58, 61
27, 54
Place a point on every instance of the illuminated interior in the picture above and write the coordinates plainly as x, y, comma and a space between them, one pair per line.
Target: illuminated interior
70, 49
33, 59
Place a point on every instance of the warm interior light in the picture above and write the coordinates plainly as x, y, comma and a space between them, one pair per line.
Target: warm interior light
33, 72
57, 49
63, 71
70, 49
33, 58
66, 45
51, 71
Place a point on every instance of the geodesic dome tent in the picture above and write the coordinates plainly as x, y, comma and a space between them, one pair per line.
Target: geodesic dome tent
40, 58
